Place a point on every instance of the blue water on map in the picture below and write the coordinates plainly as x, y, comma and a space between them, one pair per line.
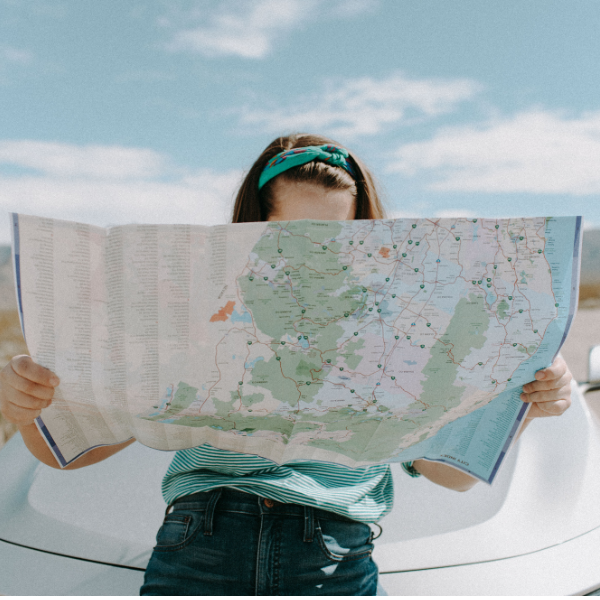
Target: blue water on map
162, 405
243, 317
250, 365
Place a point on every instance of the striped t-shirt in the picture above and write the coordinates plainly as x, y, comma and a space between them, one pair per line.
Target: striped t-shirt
363, 494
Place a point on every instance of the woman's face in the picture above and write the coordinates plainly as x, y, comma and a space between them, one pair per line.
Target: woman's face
299, 200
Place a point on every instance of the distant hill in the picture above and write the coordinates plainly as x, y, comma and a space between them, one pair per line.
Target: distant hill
8, 299
589, 288
590, 272
590, 257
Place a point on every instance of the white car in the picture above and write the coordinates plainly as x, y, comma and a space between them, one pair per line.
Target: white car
536, 531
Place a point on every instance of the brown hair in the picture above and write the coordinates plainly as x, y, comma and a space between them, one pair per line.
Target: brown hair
254, 205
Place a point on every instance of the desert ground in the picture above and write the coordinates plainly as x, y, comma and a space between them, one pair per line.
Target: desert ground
11, 344
585, 332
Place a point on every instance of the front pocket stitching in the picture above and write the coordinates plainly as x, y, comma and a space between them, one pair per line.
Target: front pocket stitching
179, 545
339, 557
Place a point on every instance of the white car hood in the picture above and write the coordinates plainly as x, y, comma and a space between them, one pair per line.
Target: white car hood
546, 493
109, 512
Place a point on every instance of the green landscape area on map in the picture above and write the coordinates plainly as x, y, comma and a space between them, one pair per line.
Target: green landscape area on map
309, 294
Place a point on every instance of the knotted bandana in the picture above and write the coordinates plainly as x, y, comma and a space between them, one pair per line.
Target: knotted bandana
330, 154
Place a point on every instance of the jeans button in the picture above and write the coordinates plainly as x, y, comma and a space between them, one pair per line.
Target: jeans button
269, 503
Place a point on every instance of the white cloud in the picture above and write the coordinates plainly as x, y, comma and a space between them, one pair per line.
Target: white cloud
242, 28
535, 151
365, 106
69, 160
71, 185
249, 28
404, 214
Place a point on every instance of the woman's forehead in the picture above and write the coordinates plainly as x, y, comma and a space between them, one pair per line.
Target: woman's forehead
302, 200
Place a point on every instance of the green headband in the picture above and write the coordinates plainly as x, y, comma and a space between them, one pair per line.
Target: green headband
330, 154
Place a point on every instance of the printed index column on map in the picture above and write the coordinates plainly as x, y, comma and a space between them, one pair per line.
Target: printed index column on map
63, 291
176, 304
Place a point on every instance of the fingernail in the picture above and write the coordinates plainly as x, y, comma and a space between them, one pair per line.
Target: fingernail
540, 375
524, 397
54, 381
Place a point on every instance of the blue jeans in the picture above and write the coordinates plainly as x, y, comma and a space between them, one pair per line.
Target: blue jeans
226, 542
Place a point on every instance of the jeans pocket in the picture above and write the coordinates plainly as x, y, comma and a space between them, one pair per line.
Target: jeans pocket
177, 530
343, 540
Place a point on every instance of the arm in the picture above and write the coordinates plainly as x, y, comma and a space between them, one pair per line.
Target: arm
26, 388
549, 395
38, 447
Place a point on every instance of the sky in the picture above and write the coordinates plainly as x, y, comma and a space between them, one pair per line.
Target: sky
151, 111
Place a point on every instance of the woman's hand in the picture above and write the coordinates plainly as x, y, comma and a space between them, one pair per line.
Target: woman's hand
25, 388
550, 393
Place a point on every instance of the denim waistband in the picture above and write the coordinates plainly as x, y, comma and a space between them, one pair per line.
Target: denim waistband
233, 500
226, 499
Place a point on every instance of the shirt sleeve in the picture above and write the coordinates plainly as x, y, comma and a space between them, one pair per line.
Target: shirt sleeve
408, 468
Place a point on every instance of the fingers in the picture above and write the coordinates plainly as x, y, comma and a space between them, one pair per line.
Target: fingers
25, 389
555, 371
562, 390
27, 401
550, 393
549, 403
26, 368
549, 384
26, 386
563, 393
548, 409
18, 415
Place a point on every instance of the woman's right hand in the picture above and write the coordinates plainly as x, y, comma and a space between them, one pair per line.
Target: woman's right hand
25, 388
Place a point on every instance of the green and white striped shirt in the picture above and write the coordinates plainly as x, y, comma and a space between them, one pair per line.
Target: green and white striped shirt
364, 494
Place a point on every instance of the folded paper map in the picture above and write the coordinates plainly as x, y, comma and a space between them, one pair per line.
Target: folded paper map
354, 342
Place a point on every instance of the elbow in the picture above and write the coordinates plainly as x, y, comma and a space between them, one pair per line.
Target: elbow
446, 475
455, 485
460, 483
50, 462
466, 486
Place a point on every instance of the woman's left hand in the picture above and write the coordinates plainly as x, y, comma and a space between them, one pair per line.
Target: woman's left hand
550, 393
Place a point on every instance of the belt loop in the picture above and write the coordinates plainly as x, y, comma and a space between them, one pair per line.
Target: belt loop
210, 511
309, 523
373, 537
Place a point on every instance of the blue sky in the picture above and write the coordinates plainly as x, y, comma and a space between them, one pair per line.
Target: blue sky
119, 111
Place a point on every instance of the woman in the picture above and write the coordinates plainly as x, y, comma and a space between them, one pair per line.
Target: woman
238, 524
